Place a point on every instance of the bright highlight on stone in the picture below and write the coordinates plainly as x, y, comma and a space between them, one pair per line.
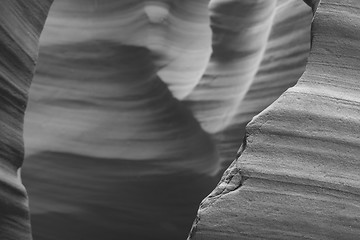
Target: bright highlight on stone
157, 12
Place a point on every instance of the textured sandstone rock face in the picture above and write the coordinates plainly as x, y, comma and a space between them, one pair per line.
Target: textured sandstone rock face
298, 173
134, 106
20, 26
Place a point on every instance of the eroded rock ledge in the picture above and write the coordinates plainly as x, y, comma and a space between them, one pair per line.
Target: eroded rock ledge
299, 176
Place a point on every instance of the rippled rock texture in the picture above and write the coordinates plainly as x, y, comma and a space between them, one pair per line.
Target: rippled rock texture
135, 108
298, 173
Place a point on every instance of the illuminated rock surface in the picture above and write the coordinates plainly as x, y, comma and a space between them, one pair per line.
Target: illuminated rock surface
298, 173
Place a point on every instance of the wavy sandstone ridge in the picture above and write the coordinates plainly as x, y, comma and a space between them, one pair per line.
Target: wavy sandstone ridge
298, 173
20, 26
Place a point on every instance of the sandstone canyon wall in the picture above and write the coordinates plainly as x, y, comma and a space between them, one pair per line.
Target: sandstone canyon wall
137, 106
298, 173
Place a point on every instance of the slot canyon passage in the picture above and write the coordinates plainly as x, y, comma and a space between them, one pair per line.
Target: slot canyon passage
137, 107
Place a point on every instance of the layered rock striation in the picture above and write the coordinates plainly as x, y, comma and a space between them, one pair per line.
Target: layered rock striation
298, 173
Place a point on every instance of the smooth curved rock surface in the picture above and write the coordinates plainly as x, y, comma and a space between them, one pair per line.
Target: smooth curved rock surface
298, 173
20, 26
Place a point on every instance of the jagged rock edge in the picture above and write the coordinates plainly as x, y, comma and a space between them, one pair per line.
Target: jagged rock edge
232, 179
